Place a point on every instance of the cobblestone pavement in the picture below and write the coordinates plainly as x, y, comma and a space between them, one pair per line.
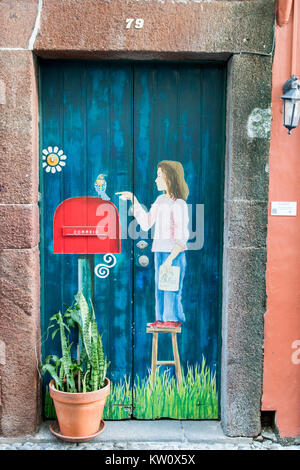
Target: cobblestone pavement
157, 435
144, 446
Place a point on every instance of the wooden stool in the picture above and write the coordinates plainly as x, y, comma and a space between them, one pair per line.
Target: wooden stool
155, 362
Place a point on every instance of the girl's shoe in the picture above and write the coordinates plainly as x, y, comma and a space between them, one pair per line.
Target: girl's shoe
169, 324
155, 324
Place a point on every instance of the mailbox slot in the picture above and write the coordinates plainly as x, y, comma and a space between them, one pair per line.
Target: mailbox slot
84, 231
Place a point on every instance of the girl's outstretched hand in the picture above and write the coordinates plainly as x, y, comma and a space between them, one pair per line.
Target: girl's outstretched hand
126, 196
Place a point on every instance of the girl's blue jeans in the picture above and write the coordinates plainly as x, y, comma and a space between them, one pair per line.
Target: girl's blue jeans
168, 305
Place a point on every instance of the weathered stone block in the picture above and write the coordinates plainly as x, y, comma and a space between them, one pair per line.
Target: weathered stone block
249, 124
18, 129
246, 301
19, 226
251, 71
243, 336
20, 331
247, 227
17, 20
250, 177
96, 27
243, 411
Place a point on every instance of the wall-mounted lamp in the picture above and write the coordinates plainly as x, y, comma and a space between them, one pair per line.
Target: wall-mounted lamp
291, 103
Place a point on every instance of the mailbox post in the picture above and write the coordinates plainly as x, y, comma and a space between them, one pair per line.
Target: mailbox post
87, 226
86, 275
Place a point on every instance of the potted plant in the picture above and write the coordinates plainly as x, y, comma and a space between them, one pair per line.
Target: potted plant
79, 386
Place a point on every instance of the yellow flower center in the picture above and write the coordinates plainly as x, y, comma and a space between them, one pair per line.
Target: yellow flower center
52, 159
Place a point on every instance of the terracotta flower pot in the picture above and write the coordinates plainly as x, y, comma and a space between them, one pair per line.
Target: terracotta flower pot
79, 414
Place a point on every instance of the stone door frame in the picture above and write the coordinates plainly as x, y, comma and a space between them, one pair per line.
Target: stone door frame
249, 78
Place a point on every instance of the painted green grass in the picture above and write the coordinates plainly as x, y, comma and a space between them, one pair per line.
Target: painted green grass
195, 398
120, 394
49, 409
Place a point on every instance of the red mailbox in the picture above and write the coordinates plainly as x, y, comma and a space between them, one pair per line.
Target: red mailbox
86, 225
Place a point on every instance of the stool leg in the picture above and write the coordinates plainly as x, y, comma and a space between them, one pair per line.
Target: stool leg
176, 358
154, 357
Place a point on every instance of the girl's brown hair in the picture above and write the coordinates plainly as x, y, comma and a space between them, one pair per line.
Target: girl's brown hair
174, 176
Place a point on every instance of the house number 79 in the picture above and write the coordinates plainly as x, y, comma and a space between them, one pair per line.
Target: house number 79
138, 23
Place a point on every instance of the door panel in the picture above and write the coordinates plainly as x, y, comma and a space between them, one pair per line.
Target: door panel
179, 115
121, 120
86, 111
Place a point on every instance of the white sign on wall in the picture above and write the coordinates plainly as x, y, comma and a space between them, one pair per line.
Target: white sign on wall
283, 208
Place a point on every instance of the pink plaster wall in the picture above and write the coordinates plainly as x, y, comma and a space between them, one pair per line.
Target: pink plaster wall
281, 391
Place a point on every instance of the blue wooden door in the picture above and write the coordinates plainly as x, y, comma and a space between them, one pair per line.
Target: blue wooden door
121, 120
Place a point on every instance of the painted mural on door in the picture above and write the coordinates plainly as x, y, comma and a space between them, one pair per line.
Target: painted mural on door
148, 141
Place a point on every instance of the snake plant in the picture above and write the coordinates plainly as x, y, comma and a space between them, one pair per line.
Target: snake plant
87, 371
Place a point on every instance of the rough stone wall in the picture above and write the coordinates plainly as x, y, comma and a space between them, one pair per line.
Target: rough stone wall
19, 228
246, 213
173, 29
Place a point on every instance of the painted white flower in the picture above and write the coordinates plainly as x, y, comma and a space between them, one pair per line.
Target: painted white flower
53, 159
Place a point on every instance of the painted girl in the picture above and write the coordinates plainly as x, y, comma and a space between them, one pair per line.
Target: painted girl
169, 213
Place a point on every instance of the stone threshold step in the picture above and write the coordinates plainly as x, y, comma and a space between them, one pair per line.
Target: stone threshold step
202, 432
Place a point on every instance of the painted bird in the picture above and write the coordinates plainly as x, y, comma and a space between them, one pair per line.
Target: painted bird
100, 186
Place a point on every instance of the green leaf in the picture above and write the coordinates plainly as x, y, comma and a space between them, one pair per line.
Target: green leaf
54, 317
86, 324
66, 356
54, 333
51, 369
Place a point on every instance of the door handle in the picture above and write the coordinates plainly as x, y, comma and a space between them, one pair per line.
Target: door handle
142, 244
143, 261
